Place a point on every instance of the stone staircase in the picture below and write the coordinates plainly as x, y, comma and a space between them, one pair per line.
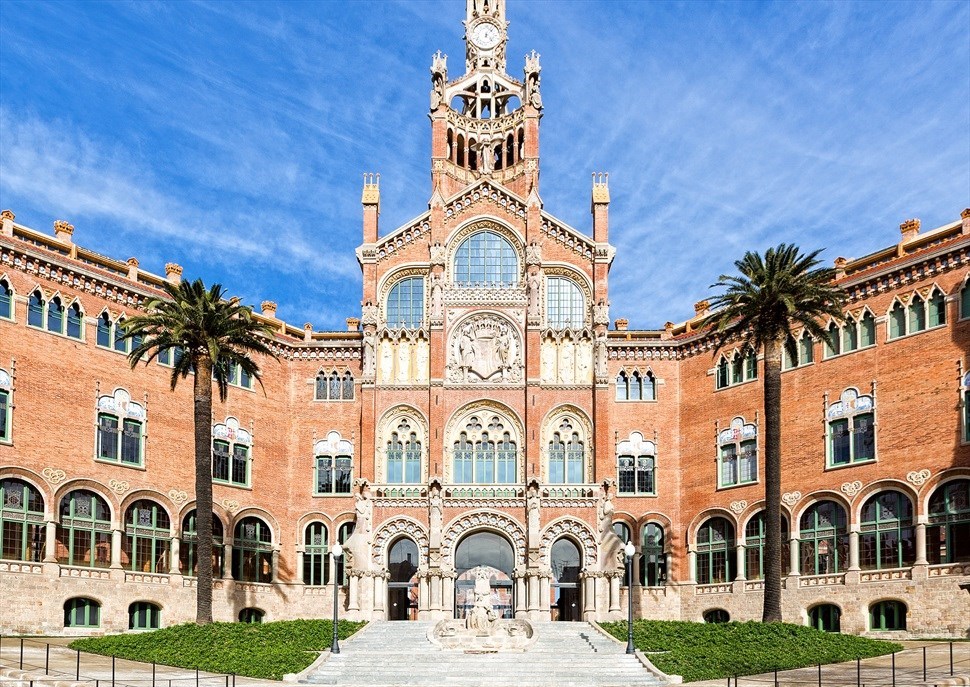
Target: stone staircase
398, 654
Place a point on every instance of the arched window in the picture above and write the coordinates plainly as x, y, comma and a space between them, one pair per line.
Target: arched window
649, 386
887, 538
936, 315
565, 304
715, 552
622, 388
35, 310
824, 539
252, 551
120, 436
851, 429
402, 566
75, 319
754, 547
867, 330
55, 316
340, 569
188, 556
917, 314
84, 530
723, 378
403, 455
566, 562
121, 343
485, 454
405, 304
636, 386
965, 300
653, 561
148, 533
885, 616
21, 521
6, 300
738, 454
253, 616
825, 617
966, 408
742, 367
566, 459
6, 414
231, 453
316, 566
850, 336
333, 465
486, 259
804, 351
897, 321
348, 387
834, 345
81, 612
636, 465
143, 615
622, 530
948, 532
717, 616
104, 330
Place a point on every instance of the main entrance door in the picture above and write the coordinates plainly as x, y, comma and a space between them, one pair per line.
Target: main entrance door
402, 587
487, 554
566, 592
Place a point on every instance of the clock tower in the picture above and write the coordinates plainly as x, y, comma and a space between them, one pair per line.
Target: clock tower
486, 33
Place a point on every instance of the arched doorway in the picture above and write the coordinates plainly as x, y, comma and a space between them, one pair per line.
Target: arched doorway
490, 554
566, 602
402, 587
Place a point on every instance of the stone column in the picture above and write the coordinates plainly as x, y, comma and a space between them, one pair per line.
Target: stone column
544, 590
520, 598
424, 593
173, 567
226, 561
299, 566
275, 563
116, 549
921, 544
50, 543
448, 593
692, 567
614, 593
589, 594
380, 596
533, 581
635, 564
794, 560
854, 551
739, 563
353, 603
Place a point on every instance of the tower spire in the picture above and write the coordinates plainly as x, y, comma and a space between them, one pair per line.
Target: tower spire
486, 33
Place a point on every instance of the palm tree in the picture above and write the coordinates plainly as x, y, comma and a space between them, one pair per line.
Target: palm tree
204, 333
773, 294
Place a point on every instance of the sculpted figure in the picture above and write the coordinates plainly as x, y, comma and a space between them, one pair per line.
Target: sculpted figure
604, 514
435, 516
387, 361
532, 516
370, 362
548, 362
421, 373
584, 360
601, 370
403, 360
436, 297
535, 289
566, 362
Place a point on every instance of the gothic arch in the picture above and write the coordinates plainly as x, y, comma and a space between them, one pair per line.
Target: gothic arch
815, 497
572, 528
485, 411
579, 422
261, 514
483, 520
394, 529
391, 420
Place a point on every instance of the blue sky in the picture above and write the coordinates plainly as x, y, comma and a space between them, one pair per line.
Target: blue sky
231, 137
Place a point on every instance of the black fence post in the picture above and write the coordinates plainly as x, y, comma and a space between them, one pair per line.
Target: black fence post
112, 671
21, 653
153, 673
819, 675
951, 658
894, 669
227, 681
858, 672
924, 664
77, 675
47, 658
196, 677
233, 680
776, 677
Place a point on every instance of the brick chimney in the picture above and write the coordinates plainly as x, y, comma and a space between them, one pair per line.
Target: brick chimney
269, 309
702, 308
307, 331
353, 324
63, 231
133, 269
621, 324
965, 216
909, 229
173, 272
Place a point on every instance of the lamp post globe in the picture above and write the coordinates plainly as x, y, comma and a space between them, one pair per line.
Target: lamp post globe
629, 550
337, 552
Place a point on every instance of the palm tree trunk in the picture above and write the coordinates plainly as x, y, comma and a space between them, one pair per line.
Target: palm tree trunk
202, 390
772, 571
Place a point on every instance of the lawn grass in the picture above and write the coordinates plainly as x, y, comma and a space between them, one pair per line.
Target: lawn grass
266, 650
709, 651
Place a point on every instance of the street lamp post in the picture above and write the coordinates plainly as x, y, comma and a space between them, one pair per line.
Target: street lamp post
629, 550
337, 552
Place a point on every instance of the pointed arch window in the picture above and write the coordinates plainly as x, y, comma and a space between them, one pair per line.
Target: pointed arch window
804, 351
566, 458
948, 531
405, 304
851, 429
722, 376
334, 386
486, 258
715, 552
887, 538
824, 539
485, 453
252, 551
55, 316
897, 321
833, 346
188, 550
921, 314
965, 300
738, 454
21, 521
742, 367
622, 386
147, 540
867, 330
35, 310
6, 300
966, 408
936, 309
104, 330
84, 530
565, 304
403, 453
75, 321
6, 407
917, 314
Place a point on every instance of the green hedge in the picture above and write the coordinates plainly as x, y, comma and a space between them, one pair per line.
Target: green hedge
267, 650
709, 651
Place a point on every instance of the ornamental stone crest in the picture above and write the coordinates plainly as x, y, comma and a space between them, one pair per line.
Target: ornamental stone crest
918, 477
485, 350
178, 496
230, 505
54, 475
790, 498
738, 506
118, 486
850, 489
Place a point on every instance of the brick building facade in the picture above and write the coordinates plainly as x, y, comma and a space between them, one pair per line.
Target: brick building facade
481, 413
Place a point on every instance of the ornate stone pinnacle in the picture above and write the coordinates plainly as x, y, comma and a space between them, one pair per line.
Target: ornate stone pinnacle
8, 214
63, 227
173, 268
268, 308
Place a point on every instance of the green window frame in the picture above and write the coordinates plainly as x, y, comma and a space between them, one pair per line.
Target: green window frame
916, 322
230, 462
825, 617
833, 346
147, 542
84, 530
24, 533
120, 440
715, 552
332, 474
188, 556
948, 527
105, 327
252, 551
936, 309
742, 367
722, 376
754, 547
316, 561
867, 330
737, 454
653, 560
824, 539
6, 300
74, 326
887, 616
55, 315
887, 538
966, 407
897, 321
6, 413
965, 301
36, 307
82, 612
851, 430
253, 616
144, 615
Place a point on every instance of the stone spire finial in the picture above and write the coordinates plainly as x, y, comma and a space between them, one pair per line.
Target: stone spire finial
6, 222
702, 308
307, 331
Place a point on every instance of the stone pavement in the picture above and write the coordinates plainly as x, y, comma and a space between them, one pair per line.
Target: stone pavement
873, 672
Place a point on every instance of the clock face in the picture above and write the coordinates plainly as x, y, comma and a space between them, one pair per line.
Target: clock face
486, 36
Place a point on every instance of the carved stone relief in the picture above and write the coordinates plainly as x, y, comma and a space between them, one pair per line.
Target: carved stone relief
578, 530
483, 520
390, 531
566, 359
485, 349
403, 358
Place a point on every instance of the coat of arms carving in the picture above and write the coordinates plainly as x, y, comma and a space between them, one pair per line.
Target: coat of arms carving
485, 349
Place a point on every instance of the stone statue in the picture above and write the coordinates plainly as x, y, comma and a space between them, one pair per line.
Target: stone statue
604, 514
439, 75
436, 297
601, 313
533, 254
601, 367
358, 546
435, 515
438, 255
368, 314
535, 293
584, 360
532, 506
403, 360
481, 617
387, 361
566, 361
364, 510
421, 364
548, 362
370, 362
